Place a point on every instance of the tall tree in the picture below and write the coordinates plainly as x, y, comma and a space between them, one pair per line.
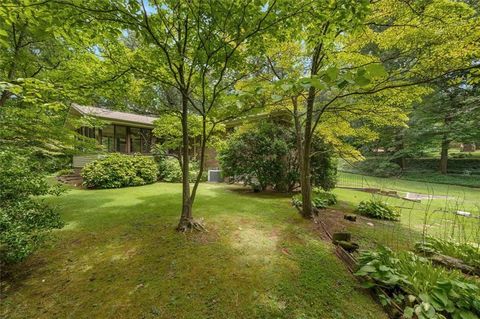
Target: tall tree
197, 49
362, 55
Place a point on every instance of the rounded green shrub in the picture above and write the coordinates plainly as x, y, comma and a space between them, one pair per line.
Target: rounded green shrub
330, 198
169, 170
118, 170
378, 209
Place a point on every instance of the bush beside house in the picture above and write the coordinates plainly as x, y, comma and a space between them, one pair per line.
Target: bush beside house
118, 170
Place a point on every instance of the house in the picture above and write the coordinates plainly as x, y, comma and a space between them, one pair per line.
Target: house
126, 133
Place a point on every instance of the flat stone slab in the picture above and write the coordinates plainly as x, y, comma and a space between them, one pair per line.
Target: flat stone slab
417, 196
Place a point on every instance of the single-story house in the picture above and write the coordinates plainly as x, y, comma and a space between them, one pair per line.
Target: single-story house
124, 132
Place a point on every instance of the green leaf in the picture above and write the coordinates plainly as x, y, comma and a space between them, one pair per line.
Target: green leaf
318, 84
362, 80
408, 312
276, 97
376, 70
286, 86
465, 314
332, 73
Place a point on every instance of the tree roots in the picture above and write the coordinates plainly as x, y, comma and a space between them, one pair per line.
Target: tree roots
191, 225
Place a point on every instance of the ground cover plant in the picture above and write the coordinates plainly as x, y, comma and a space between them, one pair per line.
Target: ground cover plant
467, 253
421, 289
119, 170
375, 208
119, 256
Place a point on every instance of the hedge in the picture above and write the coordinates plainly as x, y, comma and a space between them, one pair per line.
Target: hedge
455, 165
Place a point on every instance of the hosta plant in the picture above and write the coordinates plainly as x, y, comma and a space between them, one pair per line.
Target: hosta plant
378, 209
421, 289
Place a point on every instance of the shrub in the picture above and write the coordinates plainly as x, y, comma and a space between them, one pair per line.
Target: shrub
264, 156
320, 200
379, 167
65, 171
171, 172
378, 209
118, 170
420, 288
329, 197
25, 220
324, 165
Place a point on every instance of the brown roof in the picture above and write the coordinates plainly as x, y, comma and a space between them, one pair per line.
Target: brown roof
114, 115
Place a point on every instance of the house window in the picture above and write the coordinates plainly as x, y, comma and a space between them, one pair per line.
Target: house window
87, 131
146, 135
140, 140
120, 139
135, 140
108, 138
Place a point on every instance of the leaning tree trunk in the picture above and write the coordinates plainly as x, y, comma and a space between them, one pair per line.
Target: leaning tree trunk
444, 154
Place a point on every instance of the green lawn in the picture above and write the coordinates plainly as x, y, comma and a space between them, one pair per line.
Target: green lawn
434, 217
119, 257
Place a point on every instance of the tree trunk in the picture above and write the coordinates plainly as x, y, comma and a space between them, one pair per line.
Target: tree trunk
186, 217
305, 169
445, 144
444, 154
305, 164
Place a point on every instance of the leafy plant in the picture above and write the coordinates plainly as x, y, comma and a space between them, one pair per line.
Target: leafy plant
321, 201
64, 171
378, 209
423, 290
169, 170
118, 170
379, 167
263, 155
25, 220
331, 198
469, 254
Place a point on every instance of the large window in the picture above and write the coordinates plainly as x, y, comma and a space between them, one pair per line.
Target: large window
146, 140
121, 139
108, 138
140, 140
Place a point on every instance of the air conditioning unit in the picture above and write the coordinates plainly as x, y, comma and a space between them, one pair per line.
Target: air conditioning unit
215, 176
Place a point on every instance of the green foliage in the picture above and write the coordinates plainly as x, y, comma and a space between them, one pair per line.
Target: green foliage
25, 220
260, 156
380, 167
64, 171
331, 198
469, 254
169, 170
263, 155
324, 164
455, 165
119, 170
320, 200
423, 290
378, 209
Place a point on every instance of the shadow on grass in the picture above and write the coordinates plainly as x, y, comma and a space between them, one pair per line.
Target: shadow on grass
123, 259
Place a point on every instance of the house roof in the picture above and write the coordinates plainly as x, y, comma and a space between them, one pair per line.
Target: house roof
114, 116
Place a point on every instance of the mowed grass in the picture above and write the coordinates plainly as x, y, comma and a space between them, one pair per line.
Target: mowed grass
119, 257
434, 217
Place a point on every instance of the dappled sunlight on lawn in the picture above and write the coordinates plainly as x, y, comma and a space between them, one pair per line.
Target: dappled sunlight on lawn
120, 257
